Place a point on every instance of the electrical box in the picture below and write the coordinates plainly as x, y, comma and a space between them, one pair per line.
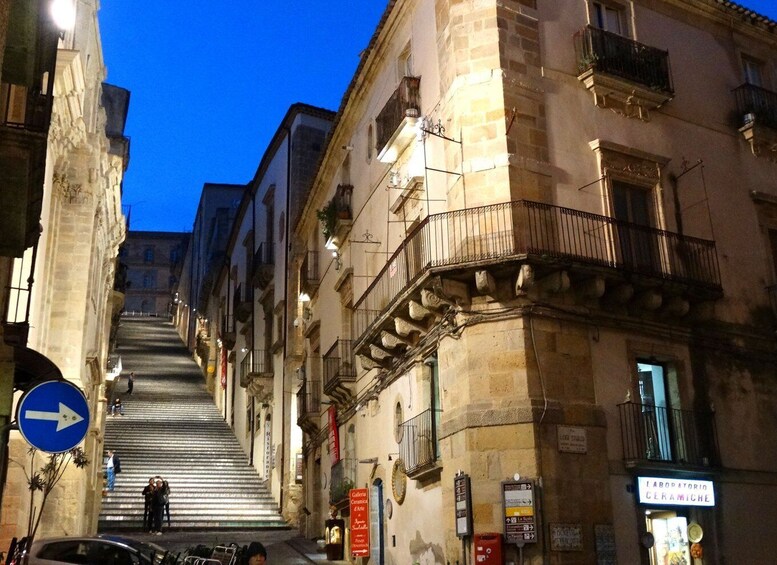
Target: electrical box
488, 549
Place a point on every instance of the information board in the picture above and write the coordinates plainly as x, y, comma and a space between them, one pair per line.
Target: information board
463, 498
518, 503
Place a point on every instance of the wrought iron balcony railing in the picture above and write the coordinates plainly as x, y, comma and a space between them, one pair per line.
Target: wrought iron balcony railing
309, 273
666, 435
262, 269
338, 364
242, 303
227, 325
405, 101
418, 446
255, 362
264, 254
343, 480
613, 54
759, 103
521, 229
309, 399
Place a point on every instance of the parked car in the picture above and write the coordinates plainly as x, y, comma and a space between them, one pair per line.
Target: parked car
103, 549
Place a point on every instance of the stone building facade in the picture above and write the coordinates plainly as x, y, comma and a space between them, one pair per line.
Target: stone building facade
69, 307
547, 242
243, 325
204, 256
153, 261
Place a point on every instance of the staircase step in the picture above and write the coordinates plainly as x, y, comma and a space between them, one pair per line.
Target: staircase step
172, 428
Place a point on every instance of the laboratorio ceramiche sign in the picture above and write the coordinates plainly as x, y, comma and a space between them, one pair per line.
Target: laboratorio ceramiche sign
677, 492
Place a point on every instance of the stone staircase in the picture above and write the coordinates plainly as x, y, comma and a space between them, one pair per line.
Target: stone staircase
172, 428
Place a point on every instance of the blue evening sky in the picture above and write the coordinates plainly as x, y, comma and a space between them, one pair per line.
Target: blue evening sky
211, 81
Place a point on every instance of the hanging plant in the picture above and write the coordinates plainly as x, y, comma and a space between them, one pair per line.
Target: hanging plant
328, 218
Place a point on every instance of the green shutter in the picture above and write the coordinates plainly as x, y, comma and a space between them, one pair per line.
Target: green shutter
19, 58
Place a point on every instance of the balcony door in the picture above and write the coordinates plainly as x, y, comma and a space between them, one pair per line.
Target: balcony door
658, 395
608, 17
638, 245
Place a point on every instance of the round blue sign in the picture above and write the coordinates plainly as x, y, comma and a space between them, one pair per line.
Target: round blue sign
53, 416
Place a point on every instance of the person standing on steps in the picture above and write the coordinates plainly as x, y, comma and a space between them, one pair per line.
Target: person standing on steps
148, 495
157, 507
166, 499
130, 382
112, 466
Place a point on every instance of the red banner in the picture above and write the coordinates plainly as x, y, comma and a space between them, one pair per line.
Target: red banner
360, 522
334, 436
224, 368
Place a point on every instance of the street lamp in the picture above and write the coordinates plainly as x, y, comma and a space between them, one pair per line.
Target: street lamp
64, 14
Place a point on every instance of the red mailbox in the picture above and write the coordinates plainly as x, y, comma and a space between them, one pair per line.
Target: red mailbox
488, 549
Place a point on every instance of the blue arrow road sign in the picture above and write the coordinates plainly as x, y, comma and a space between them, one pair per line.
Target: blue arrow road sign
53, 416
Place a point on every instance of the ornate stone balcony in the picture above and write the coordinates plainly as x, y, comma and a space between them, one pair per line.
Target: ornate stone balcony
622, 74
242, 304
310, 277
757, 109
339, 371
396, 123
542, 249
309, 406
256, 374
263, 265
227, 332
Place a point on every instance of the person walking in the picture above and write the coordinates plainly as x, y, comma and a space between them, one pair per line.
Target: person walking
148, 495
112, 467
130, 382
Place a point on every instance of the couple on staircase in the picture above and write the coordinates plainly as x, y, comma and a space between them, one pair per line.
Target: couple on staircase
157, 502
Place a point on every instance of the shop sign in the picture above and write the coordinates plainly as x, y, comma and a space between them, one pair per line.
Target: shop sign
360, 522
520, 522
676, 492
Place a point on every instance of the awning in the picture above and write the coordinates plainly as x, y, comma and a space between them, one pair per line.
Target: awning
32, 367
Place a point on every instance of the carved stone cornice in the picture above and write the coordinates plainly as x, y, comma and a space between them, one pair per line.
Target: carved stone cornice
628, 161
